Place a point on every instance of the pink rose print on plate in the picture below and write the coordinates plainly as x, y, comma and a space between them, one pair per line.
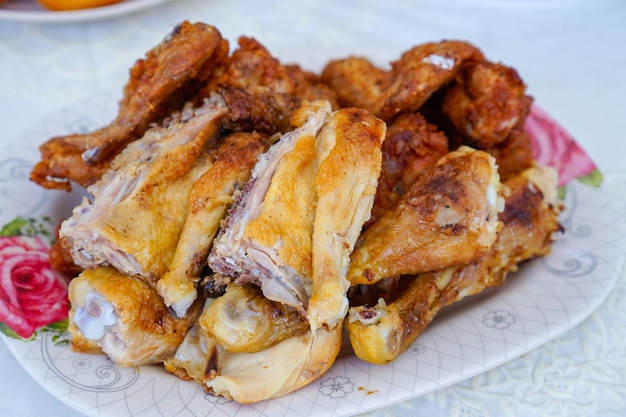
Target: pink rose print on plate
553, 146
32, 294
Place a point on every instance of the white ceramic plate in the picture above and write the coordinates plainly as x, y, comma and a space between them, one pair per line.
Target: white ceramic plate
544, 299
31, 11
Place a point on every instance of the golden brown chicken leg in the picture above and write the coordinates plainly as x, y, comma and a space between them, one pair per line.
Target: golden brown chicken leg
448, 217
379, 334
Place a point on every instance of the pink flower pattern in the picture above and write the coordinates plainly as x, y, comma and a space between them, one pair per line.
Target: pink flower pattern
32, 294
553, 146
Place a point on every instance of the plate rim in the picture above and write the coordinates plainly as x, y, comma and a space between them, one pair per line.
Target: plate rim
598, 301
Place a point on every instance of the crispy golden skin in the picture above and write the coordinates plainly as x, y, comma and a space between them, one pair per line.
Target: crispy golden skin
266, 238
486, 103
348, 150
284, 221
379, 334
158, 85
209, 198
139, 207
448, 217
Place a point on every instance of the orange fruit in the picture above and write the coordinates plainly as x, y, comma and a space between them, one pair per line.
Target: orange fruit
59, 5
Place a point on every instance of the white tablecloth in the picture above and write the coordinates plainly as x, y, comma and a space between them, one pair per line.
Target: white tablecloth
571, 53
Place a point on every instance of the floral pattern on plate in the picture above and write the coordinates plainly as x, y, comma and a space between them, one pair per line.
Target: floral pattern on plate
33, 296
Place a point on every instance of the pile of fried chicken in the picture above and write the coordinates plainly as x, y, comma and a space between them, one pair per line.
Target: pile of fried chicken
243, 214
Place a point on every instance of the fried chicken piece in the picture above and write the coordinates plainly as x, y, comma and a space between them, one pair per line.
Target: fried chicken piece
413, 78
266, 238
348, 150
278, 370
356, 81
251, 65
249, 377
158, 85
260, 92
530, 219
310, 86
379, 334
123, 317
243, 320
411, 146
420, 72
299, 216
448, 217
258, 109
139, 207
209, 198
486, 103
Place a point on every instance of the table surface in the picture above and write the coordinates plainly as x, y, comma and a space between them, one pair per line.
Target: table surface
571, 54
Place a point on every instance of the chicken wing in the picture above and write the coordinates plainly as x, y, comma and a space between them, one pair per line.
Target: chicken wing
448, 217
139, 207
157, 86
209, 198
379, 334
